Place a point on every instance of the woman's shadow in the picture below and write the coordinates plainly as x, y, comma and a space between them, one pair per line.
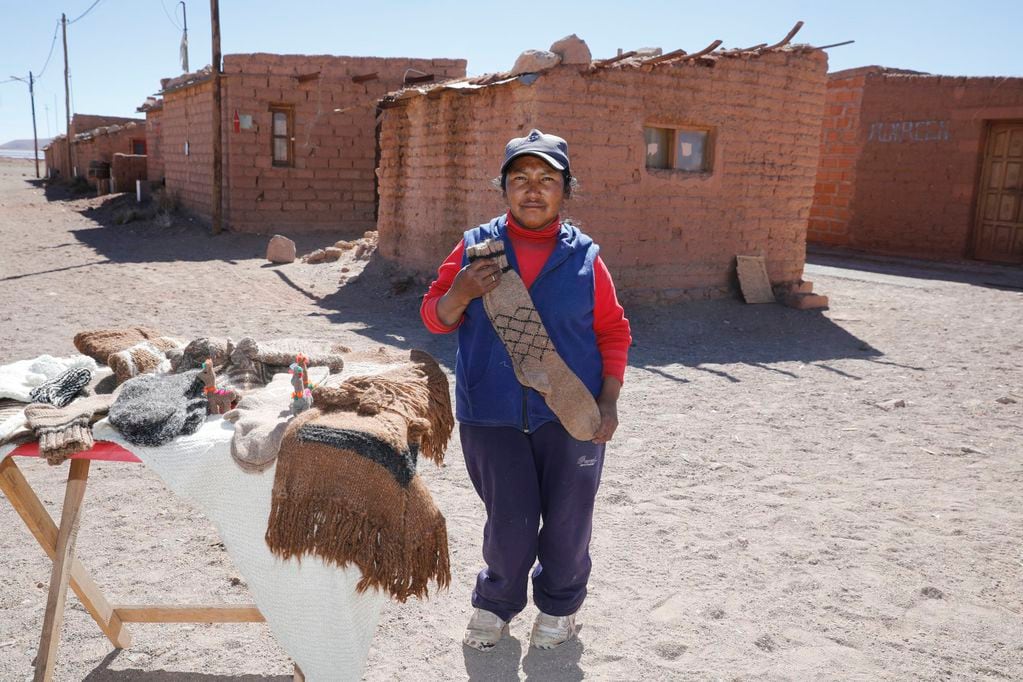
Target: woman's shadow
503, 662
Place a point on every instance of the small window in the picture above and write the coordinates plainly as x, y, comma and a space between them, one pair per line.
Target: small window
282, 135
684, 149
138, 146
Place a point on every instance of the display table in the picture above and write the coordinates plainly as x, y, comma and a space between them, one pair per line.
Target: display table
59, 545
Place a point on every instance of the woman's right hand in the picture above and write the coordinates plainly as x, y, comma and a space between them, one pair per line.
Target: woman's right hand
475, 279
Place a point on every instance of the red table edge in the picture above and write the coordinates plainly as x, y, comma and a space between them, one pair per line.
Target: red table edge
101, 451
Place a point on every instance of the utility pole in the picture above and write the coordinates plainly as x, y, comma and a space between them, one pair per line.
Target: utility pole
184, 38
32, 96
67, 104
218, 162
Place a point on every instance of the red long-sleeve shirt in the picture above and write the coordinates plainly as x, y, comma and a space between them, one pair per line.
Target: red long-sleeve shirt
532, 249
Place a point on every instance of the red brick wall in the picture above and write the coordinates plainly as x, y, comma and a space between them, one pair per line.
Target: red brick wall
81, 123
918, 154
57, 159
665, 235
125, 170
186, 120
841, 145
103, 145
331, 185
154, 140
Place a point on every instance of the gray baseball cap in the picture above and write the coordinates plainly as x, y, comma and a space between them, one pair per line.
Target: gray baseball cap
550, 148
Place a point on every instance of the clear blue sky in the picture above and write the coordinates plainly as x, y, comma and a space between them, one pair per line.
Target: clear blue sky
121, 49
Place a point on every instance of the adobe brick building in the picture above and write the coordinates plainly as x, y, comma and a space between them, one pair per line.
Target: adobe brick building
920, 165
299, 144
684, 162
96, 138
153, 109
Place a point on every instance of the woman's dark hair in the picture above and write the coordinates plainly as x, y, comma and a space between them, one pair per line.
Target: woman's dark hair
570, 183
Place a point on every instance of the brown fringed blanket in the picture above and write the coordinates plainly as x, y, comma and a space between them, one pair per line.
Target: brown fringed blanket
346, 488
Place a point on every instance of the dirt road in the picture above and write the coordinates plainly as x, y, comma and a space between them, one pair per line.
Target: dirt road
761, 517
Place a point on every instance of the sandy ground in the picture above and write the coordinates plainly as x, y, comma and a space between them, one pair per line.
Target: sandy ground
760, 516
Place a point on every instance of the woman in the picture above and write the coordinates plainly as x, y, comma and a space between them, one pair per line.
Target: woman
523, 463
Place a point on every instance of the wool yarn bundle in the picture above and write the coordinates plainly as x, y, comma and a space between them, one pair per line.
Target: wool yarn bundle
346, 488
533, 355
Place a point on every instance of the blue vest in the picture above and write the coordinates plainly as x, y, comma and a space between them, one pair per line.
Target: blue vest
487, 393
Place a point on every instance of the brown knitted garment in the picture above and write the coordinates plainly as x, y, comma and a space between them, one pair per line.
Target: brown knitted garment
100, 344
535, 360
346, 487
65, 431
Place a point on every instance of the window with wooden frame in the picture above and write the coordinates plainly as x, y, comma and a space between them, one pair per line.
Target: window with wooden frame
282, 136
681, 148
138, 146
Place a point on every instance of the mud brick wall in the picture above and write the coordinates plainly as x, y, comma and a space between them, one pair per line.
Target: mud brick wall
154, 140
57, 159
918, 152
841, 145
331, 184
665, 235
103, 145
81, 123
186, 143
126, 169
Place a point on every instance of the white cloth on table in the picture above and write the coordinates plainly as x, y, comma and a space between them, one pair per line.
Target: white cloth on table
17, 379
312, 608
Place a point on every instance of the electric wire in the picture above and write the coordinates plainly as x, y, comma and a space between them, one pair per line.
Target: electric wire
53, 44
169, 18
82, 15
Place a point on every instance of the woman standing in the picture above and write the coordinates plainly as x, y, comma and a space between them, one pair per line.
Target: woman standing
523, 463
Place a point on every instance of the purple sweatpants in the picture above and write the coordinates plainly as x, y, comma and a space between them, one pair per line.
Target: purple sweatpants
523, 479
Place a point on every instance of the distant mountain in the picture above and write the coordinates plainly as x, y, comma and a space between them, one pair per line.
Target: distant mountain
25, 144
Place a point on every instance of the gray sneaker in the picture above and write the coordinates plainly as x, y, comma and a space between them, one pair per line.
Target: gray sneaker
485, 630
552, 631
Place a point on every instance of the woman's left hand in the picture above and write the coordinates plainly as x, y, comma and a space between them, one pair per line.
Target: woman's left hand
608, 421
607, 403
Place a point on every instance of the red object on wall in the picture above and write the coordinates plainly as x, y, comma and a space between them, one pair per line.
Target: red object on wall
237, 122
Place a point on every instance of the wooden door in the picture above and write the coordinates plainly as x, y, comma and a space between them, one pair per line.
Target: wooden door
999, 227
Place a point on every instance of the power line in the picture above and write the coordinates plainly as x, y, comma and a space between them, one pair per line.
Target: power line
173, 21
53, 43
82, 15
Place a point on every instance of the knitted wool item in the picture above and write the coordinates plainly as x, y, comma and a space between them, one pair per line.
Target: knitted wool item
142, 358
259, 422
62, 390
533, 355
253, 363
346, 488
64, 431
151, 409
199, 350
100, 344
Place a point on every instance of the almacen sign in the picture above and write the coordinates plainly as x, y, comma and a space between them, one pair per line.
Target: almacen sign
908, 131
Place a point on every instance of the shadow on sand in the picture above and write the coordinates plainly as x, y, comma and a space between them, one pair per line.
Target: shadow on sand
700, 335
103, 673
976, 273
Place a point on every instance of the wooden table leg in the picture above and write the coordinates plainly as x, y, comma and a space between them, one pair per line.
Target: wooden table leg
32, 512
46, 656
